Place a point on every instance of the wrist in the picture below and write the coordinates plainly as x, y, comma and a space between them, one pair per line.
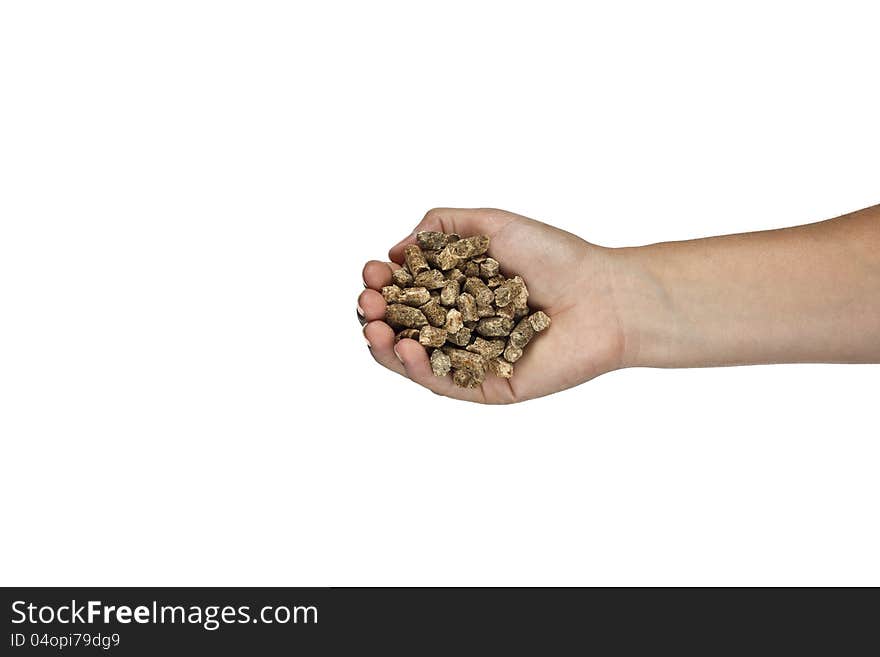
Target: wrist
643, 306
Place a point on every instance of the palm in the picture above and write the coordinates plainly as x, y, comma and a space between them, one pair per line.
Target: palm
566, 279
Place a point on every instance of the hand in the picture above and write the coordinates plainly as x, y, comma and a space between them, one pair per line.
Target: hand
568, 278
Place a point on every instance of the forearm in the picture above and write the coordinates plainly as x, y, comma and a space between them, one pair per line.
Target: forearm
804, 294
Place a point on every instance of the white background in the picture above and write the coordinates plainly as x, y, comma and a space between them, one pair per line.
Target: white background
188, 192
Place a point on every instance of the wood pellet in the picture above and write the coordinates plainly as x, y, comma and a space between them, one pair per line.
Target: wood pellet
456, 301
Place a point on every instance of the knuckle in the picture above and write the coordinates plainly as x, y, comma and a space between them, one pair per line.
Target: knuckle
434, 214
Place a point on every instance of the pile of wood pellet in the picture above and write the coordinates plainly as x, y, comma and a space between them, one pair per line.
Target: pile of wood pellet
453, 299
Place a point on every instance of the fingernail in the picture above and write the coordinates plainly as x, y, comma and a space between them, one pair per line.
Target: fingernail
360, 310
369, 344
398, 355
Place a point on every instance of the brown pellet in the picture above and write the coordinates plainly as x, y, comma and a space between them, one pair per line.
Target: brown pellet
449, 293
494, 326
440, 363
446, 259
521, 333
433, 279
431, 259
415, 259
456, 275
431, 240
470, 269
466, 360
460, 338
401, 278
486, 348
512, 354
412, 334
500, 367
489, 268
391, 293
479, 290
414, 296
467, 305
539, 321
509, 291
431, 336
451, 296
508, 311
434, 312
454, 323
398, 315
469, 247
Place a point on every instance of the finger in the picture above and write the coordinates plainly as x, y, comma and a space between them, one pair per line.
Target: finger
380, 338
396, 251
378, 274
371, 305
464, 221
418, 368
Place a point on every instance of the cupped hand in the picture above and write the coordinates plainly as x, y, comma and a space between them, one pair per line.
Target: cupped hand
569, 279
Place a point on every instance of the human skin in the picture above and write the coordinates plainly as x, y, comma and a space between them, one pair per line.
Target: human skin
796, 295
